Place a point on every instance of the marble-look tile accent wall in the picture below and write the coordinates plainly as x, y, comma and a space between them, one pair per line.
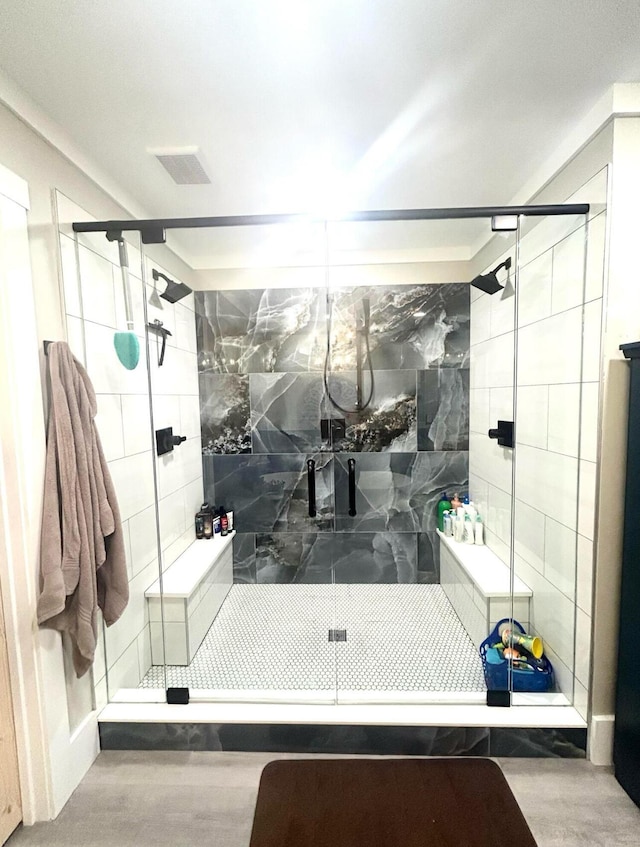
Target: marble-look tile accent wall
263, 399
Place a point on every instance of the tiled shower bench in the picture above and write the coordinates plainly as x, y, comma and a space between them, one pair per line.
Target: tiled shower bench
478, 586
193, 590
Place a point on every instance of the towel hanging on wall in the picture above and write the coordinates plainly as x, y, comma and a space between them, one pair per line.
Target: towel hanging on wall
82, 557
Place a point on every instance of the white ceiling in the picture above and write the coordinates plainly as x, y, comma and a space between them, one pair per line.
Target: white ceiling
309, 105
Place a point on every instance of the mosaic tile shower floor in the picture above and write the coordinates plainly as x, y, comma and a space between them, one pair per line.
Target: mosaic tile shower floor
275, 637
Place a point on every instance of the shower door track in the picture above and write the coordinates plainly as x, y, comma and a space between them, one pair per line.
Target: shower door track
152, 230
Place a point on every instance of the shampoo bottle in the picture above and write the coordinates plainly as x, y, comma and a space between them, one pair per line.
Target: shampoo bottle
204, 522
199, 524
443, 505
224, 521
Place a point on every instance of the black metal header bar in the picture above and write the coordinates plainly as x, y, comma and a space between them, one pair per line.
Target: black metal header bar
153, 230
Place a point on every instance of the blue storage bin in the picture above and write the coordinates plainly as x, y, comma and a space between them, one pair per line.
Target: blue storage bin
496, 673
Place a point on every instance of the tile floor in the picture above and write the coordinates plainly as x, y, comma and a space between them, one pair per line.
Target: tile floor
139, 799
276, 637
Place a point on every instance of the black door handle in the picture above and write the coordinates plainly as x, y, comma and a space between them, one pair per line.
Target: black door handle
351, 465
311, 485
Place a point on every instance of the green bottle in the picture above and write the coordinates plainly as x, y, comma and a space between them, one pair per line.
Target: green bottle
443, 505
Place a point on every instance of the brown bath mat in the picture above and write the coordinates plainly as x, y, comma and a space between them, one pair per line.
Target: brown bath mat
451, 802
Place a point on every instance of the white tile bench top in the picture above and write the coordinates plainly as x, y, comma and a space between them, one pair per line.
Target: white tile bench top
187, 572
487, 571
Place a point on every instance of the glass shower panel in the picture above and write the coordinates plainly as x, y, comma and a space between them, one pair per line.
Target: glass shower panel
558, 336
248, 617
124, 425
399, 396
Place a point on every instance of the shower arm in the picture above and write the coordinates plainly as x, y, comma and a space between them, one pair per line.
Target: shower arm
506, 265
157, 275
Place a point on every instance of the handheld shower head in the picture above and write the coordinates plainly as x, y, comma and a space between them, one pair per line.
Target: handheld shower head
489, 282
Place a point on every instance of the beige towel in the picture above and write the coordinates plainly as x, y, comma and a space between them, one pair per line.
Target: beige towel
82, 556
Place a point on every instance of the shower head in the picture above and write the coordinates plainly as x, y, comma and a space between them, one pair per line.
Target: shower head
175, 290
489, 282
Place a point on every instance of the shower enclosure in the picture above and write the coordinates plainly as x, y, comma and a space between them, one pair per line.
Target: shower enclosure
328, 394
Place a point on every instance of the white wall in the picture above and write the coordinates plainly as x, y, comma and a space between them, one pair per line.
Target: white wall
560, 286
94, 310
391, 273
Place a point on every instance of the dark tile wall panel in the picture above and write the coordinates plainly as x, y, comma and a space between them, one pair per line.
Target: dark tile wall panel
412, 326
369, 557
428, 558
225, 416
443, 409
261, 330
244, 557
389, 421
286, 409
397, 491
269, 493
375, 557
289, 557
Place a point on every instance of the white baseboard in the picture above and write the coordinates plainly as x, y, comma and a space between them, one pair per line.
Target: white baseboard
600, 750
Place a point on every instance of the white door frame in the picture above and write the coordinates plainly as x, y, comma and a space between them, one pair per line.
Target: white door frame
21, 434
52, 758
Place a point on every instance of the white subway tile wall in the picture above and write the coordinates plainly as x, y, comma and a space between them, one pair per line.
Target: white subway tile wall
94, 306
559, 320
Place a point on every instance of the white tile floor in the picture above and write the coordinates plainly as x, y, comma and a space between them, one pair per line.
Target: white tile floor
404, 638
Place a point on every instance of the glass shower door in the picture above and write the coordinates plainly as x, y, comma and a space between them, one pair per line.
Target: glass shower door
399, 396
96, 278
558, 371
258, 625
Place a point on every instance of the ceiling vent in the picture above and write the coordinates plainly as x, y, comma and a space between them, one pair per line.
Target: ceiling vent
182, 165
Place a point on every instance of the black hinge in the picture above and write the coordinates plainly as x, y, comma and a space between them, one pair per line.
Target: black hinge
498, 698
178, 696
504, 433
337, 635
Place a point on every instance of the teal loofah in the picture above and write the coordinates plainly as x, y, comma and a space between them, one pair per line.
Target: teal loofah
128, 349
